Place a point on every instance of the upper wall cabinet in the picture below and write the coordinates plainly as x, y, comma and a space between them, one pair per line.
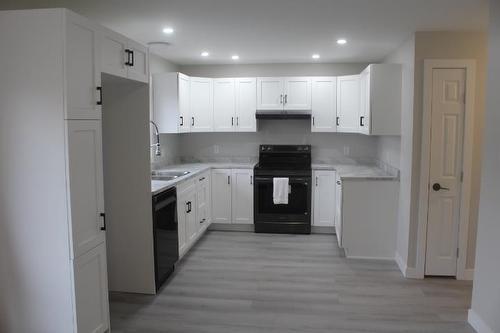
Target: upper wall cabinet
380, 100
171, 98
123, 57
283, 93
324, 104
201, 106
235, 105
348, 94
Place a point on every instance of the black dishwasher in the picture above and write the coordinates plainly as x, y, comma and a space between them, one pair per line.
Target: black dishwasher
166, 243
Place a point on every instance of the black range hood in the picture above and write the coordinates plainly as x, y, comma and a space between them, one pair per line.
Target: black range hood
282, 115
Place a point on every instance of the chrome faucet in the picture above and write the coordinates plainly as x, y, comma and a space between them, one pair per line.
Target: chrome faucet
157, 136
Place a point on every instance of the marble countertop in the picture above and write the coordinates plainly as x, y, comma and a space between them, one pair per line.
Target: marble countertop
357, 171
194, 169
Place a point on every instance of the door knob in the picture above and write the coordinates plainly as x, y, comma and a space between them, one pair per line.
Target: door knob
438, 187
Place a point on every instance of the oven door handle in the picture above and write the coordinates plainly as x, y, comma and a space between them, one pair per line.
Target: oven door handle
290, 181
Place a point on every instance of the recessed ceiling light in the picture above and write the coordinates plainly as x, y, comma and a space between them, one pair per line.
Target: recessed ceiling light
168, 30
341, 41
205, 54
235, 57
315, 56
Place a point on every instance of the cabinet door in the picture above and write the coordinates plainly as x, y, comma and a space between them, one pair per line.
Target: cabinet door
348, 103
201, 104
83, 74
338, 210
324, 198
191, 221
224, 105
364, 102
91, 291
138, 68
270, 93
203, 209
113, 55
324, 104
184, 101
85, 184
242, 196
221, 195
246, 104
297, 92
182, 214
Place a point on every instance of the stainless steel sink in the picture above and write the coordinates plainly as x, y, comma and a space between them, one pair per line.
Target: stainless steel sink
167, 175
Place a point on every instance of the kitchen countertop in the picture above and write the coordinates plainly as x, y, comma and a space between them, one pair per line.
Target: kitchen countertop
194, 169
357, 171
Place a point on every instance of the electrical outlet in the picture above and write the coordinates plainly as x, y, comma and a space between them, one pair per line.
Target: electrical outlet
347, 150
216, 149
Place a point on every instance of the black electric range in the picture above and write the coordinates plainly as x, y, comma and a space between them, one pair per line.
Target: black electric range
294, 163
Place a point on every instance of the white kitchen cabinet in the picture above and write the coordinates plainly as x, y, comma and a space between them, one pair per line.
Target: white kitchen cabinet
201, 104
297, 93
246, 104
203, 201
123, 57
221, 196
242, 196
171, 98
338, 209
83, 73
348, 99
324, 198
270, 93
186, 215
91, 291
324, 104
85, 184
224, 105
380, 100
283, 93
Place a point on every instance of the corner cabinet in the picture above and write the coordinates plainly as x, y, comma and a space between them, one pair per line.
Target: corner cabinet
63, 162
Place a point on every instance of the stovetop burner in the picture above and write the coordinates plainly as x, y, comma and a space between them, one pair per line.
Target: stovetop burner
284, 158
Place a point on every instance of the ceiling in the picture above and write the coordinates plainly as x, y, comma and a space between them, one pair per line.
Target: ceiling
274, 31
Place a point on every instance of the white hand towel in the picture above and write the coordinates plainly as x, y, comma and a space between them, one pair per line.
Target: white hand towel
280, 191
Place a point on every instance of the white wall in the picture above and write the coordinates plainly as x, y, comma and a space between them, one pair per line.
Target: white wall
485, 313
388, 146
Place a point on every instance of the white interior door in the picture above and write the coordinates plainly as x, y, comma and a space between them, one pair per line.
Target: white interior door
242, 196
246, 104
297, 93
324, 104
324, 198
270, 93
224, 105
448, 111
348, 103
86, 184
201, 104
83, 74
221, 196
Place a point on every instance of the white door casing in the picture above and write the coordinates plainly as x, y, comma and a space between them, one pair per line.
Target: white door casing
447, 127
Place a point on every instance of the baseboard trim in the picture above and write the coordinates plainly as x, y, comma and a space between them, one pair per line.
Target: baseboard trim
323, 230
478, 323
231, 227
370, 258
468, 274
401, 264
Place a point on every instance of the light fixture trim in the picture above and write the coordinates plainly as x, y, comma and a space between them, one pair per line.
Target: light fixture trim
235, 57
315, 56
341, 41
168, 30
205, 54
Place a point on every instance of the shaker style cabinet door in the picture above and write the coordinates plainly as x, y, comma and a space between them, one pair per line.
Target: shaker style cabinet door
324, 198
83, 74
297, 93
184, 102
324, 104
348, 95
246, 104
224, 105
201, 104
114, 58
270, 93
221, 196
365, 102
138, 68
85, 184
242, 196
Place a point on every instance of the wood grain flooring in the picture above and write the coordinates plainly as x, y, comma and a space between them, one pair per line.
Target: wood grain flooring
251, 283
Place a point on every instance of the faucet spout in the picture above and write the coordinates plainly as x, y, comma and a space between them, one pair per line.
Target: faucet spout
157, 137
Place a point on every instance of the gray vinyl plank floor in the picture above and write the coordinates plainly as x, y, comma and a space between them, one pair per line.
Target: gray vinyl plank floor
251, 283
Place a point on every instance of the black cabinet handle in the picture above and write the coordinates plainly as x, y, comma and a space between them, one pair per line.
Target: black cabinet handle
103, 221
251, 180
201, 179
313, 121
99, 101
316, 181
286, 98
192, 121
203, 220
281, 99
237, 121
182, 121
128, 62
338, 182
361, 122
337, 121
132, 58
232, 121
228, 180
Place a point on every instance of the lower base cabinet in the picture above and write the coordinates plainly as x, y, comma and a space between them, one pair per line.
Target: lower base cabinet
91, 290
324, 198
232, 196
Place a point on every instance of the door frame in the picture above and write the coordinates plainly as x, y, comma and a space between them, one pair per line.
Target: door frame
470, 71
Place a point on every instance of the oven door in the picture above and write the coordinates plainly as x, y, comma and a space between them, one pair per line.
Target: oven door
298, 209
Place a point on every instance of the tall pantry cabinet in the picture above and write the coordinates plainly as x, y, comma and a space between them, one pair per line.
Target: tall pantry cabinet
52, 230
